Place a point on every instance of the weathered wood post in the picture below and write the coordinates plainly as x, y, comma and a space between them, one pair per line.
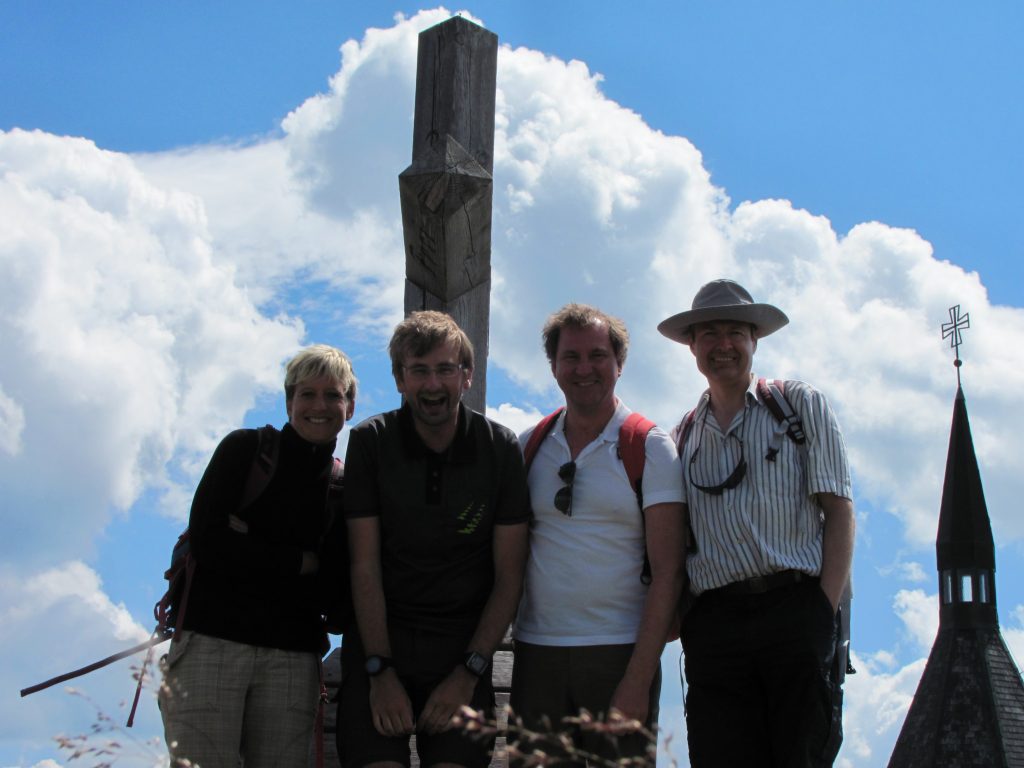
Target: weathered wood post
447, 191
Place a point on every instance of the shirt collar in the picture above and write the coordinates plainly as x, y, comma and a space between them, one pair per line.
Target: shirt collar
461, 451
750, 397
292, 438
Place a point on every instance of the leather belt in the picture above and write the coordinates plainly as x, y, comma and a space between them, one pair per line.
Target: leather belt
760, 584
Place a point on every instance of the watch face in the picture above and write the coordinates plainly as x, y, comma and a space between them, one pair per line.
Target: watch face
476, 663
376, 664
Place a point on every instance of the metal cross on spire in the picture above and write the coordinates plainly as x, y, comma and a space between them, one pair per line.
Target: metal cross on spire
951, 331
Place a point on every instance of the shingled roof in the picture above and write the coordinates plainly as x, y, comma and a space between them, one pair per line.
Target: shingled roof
969, 706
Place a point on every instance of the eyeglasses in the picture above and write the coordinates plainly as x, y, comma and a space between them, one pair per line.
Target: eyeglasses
735, 477
444, 371
563, 497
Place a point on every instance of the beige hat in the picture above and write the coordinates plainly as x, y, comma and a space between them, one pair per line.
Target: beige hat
723, 300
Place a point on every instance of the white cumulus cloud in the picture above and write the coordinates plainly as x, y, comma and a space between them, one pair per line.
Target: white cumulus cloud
129, 347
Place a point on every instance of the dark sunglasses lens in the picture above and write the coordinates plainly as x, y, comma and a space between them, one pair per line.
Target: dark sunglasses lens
563, 500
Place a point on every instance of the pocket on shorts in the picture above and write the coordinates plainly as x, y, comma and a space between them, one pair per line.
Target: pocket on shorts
192, 674
304, 684
176, 651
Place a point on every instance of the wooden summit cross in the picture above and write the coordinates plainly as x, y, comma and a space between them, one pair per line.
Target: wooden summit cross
447, 191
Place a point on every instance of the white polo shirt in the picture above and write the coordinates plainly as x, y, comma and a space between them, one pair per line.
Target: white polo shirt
771, 521
582, 582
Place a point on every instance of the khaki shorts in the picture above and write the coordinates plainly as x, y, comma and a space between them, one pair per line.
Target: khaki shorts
223, 701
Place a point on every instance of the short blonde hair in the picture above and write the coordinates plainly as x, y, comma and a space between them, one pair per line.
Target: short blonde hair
316, 361
421, 332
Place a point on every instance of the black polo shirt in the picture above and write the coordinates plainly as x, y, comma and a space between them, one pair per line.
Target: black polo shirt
437, 512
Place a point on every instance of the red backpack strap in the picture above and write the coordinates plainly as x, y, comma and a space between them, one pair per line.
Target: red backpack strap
632, 449
633, 454
684, 429
543, 428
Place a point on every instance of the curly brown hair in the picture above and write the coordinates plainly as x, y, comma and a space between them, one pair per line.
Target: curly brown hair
584, 316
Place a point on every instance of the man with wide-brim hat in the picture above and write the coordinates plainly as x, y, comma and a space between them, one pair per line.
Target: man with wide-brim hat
772, 526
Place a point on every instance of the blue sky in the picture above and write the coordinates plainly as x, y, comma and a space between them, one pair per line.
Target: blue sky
232, 194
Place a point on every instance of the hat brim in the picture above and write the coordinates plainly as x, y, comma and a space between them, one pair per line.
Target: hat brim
764, 317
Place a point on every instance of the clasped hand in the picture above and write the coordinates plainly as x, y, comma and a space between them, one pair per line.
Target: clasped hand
392, 710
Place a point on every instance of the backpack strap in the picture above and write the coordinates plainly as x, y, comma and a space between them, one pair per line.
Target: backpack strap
542, 430
632, 451
684, 429
335, 490
264, 463
772, 394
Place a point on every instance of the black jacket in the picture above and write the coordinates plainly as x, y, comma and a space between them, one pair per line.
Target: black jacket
247, 586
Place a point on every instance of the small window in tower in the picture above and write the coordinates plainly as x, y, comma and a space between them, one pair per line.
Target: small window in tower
947, 587
966, 588
984, 594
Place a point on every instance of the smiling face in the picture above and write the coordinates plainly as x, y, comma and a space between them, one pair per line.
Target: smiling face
585, 368
318, 409
725, 352
432, 397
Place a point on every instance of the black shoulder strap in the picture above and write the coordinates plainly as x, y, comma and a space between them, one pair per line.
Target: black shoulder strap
335, 487
264, 463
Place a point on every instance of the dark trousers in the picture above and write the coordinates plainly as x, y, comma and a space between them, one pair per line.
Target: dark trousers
422, 659
551, 683
758, 671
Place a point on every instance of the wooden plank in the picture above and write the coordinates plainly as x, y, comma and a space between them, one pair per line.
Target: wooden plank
447, 191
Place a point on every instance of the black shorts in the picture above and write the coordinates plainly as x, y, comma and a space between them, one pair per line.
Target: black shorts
422, 660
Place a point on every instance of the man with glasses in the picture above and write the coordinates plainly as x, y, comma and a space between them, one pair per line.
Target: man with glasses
591, 626
437, 509
772, 530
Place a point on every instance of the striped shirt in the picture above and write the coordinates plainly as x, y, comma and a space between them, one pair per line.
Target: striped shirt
771, 520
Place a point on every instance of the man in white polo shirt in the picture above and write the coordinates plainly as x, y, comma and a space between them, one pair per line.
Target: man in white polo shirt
591, 626
772, 529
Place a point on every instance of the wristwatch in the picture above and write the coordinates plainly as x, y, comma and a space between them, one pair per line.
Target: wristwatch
377, 664
476, 663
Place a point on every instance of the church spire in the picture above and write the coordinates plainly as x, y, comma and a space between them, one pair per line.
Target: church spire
964, 550
968, 710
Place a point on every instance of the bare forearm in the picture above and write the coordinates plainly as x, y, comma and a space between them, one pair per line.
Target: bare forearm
371, 611
837, 545
659, 611
500, 609
665, 537
496, 617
